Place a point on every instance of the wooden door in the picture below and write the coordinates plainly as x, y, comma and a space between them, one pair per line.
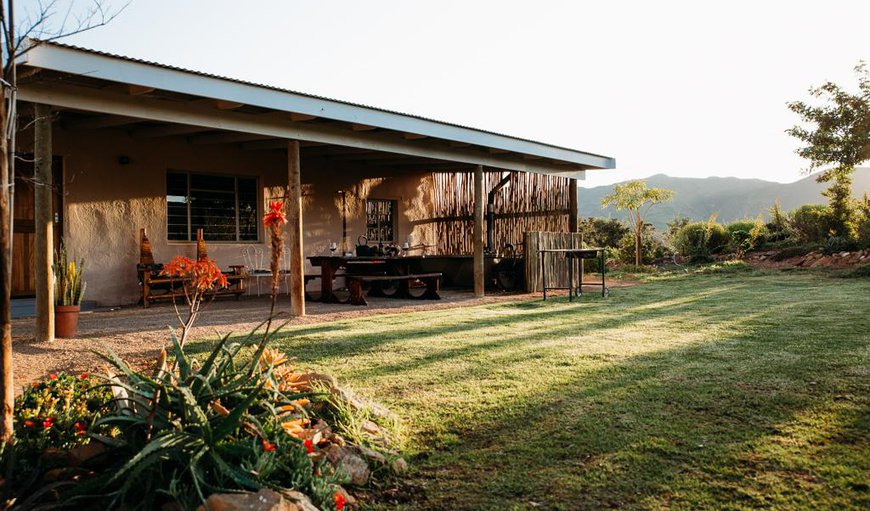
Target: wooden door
23, 225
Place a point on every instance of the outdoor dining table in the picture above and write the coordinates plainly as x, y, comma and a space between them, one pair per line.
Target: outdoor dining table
574, 256
331, 264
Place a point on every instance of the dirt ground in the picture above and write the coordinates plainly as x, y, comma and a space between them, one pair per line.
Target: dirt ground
138, 334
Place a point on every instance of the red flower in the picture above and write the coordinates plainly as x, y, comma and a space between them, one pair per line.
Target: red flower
268, 446
276, 215
36, 384
340, 500
309, 445
84, 376
52, 376
81, 427
46, 423
29, 423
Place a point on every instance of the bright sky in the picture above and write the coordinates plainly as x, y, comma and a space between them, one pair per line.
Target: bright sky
686, 88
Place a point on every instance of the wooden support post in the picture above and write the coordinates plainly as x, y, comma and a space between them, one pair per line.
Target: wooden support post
573, 206
294, 230
43, 215
479, 283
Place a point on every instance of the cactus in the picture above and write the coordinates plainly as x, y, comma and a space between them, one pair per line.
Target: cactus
69, 288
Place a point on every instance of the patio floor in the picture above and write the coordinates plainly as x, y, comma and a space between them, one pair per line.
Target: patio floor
138, 334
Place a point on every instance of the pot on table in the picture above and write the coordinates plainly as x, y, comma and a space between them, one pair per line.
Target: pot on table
66, 320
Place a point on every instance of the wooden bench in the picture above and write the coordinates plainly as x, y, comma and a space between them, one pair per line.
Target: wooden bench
173, 288
431, 280
157, 287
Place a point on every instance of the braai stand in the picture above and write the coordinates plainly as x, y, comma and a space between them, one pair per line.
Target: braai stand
574, 256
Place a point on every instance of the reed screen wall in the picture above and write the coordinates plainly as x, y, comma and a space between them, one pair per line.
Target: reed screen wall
529, 202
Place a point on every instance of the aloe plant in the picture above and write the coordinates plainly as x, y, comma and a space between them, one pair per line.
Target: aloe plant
69, 287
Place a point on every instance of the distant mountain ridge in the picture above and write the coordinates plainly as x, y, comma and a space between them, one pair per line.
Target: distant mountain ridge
730, 198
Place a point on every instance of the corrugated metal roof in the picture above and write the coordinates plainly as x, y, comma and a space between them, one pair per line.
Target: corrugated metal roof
305, 94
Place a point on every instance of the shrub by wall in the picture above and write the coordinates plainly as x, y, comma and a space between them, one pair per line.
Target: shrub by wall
700, 240
811, 223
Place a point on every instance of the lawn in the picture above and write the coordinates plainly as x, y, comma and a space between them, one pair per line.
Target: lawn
742, 390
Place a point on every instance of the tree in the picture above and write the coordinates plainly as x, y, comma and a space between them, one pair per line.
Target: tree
636, 198
836, 134
37, 27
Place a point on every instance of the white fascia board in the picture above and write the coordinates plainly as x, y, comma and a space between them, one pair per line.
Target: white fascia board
116, 69
101, 101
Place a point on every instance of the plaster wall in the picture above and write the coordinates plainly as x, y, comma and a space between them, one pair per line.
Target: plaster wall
106, 202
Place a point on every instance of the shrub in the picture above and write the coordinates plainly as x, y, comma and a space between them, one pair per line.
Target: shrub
862, 222
836, 244
811, 223
746, 235
652, 248
59, 411
699, 240
602, 232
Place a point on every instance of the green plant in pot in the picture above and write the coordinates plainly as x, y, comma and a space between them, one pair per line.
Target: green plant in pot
69, 289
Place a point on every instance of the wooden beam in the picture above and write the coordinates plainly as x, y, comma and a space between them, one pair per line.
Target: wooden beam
493, 150
167, 131
479, 283
413, 136
225, 138
362, 127
43, 216
573, 206
227, 105
294, 230
102, 121
296, 117
138, 90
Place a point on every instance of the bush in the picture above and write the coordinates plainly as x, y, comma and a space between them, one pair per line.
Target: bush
811, 223
746, 235
651, 247
602, 232
699, 240
836, 244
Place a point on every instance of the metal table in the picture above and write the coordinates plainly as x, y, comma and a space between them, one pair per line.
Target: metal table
574, 257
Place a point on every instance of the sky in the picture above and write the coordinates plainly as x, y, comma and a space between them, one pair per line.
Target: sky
685, 88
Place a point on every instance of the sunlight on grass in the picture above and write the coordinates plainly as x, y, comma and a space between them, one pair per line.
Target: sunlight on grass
722, 390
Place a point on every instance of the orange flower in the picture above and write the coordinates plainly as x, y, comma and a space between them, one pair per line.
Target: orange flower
203, 275
29, 423
340, 501
276, 215
52, 376
295, 427
268, 446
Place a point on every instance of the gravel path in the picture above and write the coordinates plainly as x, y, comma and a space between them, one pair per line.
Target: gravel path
138, 334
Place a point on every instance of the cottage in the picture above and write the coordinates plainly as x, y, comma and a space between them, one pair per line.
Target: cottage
137, 144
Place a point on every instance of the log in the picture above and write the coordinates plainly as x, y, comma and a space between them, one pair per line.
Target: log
294, 230
43, 216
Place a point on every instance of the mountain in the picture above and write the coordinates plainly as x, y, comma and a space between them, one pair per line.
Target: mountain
730, 198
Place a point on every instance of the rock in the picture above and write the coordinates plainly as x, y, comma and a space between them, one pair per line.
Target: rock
263, 500
399, 466
353, 467
371, 455
300, 500
67, 474
85, 453
844, 254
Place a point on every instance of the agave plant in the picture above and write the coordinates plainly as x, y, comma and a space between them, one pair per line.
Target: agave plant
69, 288
189, 430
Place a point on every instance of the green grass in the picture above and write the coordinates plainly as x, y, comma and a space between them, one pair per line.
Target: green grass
724, 389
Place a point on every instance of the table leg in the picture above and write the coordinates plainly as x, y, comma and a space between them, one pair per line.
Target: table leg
327, 277
603, 271
570, 261
544, 274
580, 285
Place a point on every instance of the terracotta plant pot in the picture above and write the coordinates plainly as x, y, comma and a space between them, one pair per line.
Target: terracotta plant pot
66, 320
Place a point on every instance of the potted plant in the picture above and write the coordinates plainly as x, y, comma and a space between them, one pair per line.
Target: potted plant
69, 289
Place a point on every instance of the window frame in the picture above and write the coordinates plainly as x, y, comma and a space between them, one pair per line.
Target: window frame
191, 234
394, 214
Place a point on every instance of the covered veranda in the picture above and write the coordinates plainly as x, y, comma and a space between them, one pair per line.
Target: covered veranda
115, 125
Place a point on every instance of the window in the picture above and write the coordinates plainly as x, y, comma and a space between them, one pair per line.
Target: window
381, 215
224, 207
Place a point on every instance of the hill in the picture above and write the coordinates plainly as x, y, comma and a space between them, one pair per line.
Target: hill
730, 198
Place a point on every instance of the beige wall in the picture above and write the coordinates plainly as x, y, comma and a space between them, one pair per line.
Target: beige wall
105, 202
